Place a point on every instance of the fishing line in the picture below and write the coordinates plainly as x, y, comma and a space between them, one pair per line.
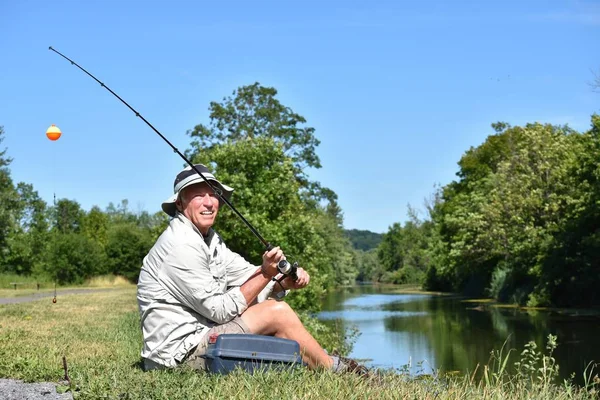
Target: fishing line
54, 241
284, 267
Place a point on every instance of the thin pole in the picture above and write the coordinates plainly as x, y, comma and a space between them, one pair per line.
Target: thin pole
137, 114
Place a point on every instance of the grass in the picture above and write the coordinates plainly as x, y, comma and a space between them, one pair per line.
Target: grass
28, 285
99, 335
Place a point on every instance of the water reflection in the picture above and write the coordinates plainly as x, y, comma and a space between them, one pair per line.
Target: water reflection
424, 332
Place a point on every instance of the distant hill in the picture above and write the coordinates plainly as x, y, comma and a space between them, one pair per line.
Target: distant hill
363, 240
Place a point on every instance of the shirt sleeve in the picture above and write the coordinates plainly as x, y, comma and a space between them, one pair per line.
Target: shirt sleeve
239, 271
186, 275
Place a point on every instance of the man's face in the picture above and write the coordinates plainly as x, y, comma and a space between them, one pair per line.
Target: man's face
200, 205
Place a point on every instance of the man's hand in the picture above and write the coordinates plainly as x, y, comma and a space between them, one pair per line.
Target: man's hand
270, 260
303, 279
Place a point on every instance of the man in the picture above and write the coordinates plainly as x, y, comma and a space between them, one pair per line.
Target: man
191, 286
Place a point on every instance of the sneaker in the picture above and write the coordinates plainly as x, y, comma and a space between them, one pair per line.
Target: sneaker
343, 365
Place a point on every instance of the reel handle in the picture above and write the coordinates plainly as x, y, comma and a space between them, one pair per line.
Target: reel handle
285, 267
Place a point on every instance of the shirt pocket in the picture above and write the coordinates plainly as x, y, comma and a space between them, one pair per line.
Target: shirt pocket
217, 268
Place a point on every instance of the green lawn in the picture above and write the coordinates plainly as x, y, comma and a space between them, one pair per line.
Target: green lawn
99, 335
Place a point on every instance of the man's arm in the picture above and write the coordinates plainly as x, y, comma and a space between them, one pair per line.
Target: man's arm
185, 274
262, 276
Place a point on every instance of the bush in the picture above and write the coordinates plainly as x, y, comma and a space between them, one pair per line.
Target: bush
126, 248
72, 258
498, 284
404, 275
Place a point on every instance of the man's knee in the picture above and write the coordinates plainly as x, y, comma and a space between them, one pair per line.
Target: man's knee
272, 311
281, 307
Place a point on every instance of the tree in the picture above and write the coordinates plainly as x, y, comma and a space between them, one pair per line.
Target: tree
253, 112
363, 239
570, 272
365, 263
68, 216
499, 220
258, 146
8, 201
127, 245
72, 258
403, 251
94, 225
28, 241
120, 213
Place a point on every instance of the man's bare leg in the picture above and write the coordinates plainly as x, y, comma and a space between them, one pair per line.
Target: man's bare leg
276, 318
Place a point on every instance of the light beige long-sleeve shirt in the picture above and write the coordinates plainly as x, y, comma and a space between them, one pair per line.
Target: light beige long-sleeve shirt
186, 287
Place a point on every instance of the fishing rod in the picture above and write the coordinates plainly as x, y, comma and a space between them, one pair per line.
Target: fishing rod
283, 266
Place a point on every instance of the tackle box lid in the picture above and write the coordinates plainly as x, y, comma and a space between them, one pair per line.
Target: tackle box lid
254, 347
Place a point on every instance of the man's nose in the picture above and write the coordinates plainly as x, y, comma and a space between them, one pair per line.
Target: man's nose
207, 200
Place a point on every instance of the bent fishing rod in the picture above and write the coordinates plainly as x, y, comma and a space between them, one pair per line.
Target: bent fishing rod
283, 266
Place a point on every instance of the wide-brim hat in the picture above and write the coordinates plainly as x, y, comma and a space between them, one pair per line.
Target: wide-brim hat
189, 176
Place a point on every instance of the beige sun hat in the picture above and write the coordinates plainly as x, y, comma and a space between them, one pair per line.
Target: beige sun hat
189, 176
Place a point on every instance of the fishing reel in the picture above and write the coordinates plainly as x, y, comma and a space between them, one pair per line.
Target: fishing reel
288, 269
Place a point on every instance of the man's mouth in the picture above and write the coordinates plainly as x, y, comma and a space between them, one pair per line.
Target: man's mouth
206, 213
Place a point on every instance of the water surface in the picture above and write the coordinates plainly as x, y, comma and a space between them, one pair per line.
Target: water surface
423, 332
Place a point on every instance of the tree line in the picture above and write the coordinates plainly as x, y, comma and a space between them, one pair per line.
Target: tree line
254, 144
520, 223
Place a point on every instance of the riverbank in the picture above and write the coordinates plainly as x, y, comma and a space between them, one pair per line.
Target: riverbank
484, 302
98, 334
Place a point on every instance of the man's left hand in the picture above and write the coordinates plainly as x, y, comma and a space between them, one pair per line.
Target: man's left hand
303, 279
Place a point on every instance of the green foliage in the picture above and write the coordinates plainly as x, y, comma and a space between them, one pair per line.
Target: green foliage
402, 253
362, 239
68, 216
408, 274
126, 248
27, 242
260, 148
266, 192
337, 338
538, 367
365, 263
515, 213
569, 272
253, 112
8, 200
94, 226
72, 258
499, 284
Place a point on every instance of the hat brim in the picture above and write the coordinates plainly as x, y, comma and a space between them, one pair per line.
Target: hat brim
169, 207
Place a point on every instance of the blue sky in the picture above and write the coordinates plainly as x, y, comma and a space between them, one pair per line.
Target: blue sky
396, 90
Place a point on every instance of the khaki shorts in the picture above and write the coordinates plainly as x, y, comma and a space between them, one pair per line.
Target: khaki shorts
195, 359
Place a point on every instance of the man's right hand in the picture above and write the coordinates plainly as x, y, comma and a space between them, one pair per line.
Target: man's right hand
270, 260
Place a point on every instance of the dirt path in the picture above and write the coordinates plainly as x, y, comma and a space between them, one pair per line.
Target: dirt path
38, 296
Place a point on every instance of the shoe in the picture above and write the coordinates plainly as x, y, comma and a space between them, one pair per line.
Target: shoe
344, 364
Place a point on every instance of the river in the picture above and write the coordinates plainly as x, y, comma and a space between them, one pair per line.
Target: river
423, 333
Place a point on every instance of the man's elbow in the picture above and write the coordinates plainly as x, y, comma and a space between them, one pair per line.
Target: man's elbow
222, 315
220, 318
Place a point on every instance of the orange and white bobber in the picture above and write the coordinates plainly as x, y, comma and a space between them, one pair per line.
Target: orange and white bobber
53, 132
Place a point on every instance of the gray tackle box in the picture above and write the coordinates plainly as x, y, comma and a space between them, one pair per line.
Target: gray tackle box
227, 352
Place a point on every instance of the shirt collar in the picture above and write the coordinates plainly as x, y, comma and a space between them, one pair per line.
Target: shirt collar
211, 232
